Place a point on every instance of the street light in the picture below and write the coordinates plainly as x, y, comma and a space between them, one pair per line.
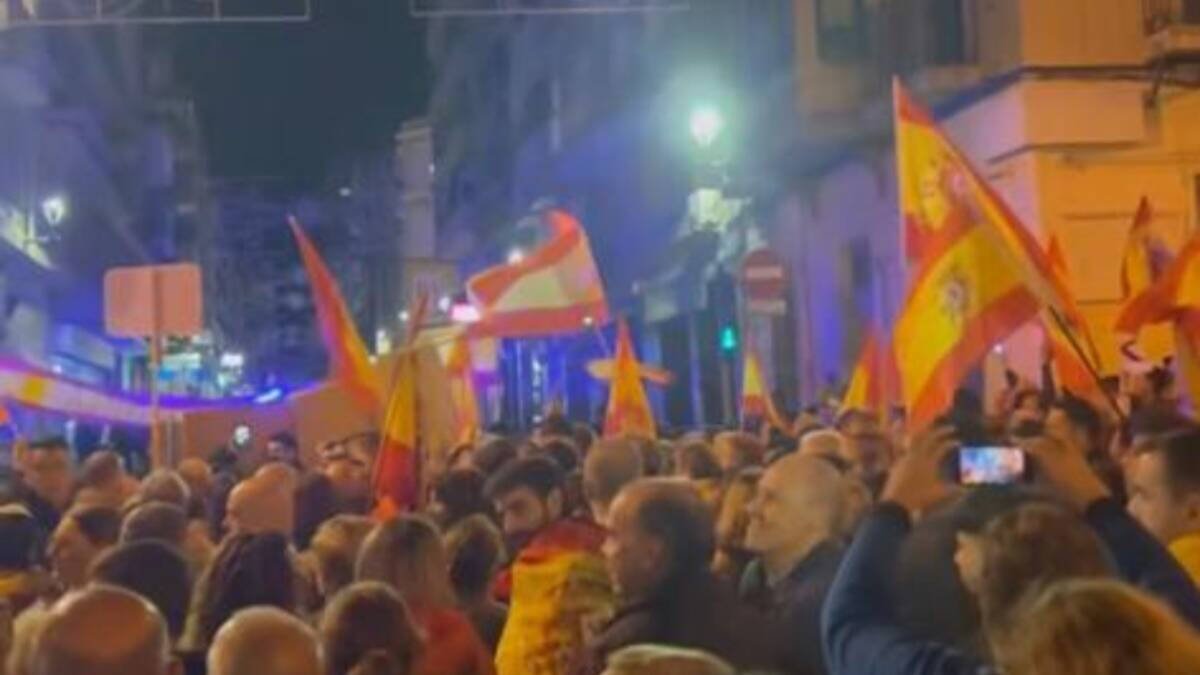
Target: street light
706, 124
516, 256
55, 208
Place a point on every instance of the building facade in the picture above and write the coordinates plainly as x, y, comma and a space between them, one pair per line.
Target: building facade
1073, 109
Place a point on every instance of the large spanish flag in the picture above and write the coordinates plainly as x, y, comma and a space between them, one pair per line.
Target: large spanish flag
757, 402
394, 479
1073, 371
875, 381
1137, 263
554, 289
349, 361
981, 275
1173, 298
628, 407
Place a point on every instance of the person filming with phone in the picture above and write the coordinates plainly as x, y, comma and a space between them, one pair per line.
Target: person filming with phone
1079, 531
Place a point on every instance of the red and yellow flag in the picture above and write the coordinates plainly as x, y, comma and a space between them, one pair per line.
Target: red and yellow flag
1071, 372
757, 402
628, 407
1137, 264
875, 382
349, 361
394, 478
553, 289
462, 390
1174, 298
980, 275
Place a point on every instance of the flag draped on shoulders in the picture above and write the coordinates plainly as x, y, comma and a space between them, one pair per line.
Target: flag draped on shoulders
552, 290
757, 402
349, 362
979, 274
875, 381
628, 406
559, 582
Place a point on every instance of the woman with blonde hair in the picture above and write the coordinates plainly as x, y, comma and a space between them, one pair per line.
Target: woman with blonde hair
1100, 627
407, 554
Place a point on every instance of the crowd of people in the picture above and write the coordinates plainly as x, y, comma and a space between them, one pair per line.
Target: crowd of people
844, 545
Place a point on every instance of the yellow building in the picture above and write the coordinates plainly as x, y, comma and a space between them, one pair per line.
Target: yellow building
1074, 109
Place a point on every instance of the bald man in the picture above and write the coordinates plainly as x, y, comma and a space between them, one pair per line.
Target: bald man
103, 630
660, 545
265, 641
264, 502
825, 443
793, 530
612, 464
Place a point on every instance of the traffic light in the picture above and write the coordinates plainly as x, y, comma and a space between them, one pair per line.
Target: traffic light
728, 339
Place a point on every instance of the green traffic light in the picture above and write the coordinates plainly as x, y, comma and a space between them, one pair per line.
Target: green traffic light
729, 339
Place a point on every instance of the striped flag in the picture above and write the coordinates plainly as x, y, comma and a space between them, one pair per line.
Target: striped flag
980, 275
462, 390
628, 407
349, 361
757, 402
875, 382
1071, 372
554, 289
394, 477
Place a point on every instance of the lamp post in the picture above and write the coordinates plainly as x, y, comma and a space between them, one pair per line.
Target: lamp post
706, 124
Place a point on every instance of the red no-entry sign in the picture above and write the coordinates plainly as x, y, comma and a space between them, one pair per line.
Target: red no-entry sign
764, 282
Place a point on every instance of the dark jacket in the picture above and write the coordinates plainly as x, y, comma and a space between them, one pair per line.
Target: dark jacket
859, 629
696, 612
797, 600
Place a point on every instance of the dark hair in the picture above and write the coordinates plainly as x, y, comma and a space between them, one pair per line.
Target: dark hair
154, 571
157, 521
1029, 548
1028, 393
1156, 419
20, 541
50, 443
673, 512
475, 549
540, 474
697, 461
493, 455
284, 438
315, 501
1081, 414
101, 525
1161, 379
460, 491
367, 628
101, 468
556, 424
247, 570
584, 437
563, 452
1180, 450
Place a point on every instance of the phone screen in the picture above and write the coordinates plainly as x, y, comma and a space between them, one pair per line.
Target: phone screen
990, 465
241, 434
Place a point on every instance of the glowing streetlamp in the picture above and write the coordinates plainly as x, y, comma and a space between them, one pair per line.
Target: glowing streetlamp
706, 125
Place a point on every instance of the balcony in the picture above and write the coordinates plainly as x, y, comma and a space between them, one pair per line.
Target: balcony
1173, 29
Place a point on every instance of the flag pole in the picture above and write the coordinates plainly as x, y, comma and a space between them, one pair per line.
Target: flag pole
1091, 368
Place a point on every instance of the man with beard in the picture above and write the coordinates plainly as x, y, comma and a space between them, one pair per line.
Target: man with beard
557, 579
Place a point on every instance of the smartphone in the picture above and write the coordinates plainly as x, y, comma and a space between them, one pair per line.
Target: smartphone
241, 435
991, 465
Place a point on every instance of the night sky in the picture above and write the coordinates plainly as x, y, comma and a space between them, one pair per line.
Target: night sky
285, 100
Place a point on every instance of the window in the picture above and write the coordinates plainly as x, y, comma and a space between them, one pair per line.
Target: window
840, 30
947, 34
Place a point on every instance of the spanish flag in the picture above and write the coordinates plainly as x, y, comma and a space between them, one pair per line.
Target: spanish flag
462, 390
628, 407
980, 275
349, 362
394, 478
875, 382
757, 402
1173, 298
1137, 264
554, 289
1071, 372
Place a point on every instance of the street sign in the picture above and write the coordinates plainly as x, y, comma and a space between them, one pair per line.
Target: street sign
764, 282
153, 300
